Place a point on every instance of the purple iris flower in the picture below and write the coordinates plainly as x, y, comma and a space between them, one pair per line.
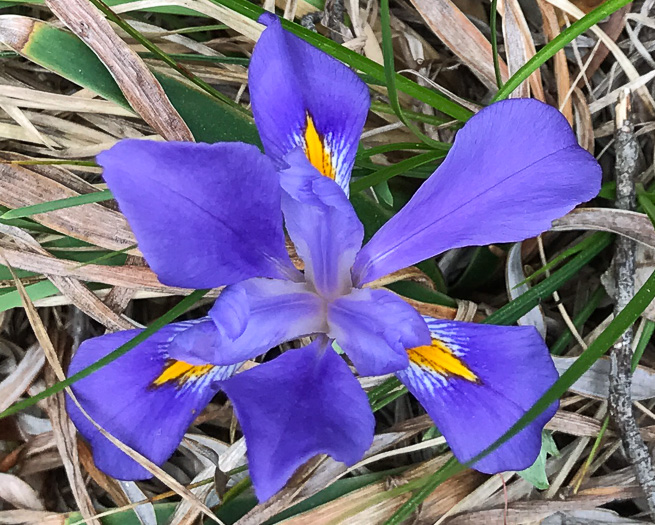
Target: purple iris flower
208, 215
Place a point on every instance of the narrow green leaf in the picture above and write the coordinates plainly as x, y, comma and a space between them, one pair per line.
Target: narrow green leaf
390, 74
59, 204
387, 148
494, 41
388, 172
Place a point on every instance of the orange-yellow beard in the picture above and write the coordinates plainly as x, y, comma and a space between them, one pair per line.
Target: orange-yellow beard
179, 372
317, 151
439, 358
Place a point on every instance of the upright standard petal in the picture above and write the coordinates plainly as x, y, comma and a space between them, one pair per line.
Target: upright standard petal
303, 403
250, 318
514, 168
375, 328
322, 225
145, 398
475, 381
304, 97
205, 215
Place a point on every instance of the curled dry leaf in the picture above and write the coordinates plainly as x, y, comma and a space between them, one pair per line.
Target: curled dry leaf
635, 226
145, 512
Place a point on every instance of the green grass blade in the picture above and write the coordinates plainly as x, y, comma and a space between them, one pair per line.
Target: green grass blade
381, 107
59, 204
390, 74
399, 168
494, 41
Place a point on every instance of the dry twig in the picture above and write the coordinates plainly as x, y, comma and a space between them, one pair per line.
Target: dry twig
627, 156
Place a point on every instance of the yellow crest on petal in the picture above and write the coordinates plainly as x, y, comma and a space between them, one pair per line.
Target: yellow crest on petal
317, 150
179, 372
439, 358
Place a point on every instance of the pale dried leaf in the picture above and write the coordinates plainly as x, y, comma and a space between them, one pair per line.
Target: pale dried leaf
514, 277
93, 223
18, 493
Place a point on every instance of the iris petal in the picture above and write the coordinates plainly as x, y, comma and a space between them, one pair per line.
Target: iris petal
144, 398
303, 97
375, 328
475, 381
514, 167
204, 215
322, 224
303, 403
250, 318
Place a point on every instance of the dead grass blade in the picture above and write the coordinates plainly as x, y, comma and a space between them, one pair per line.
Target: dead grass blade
535, 511
109, 485
519, 48
584, 127
62, 427
31, 517
240, 23
461, 36
138, 84
562, 76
